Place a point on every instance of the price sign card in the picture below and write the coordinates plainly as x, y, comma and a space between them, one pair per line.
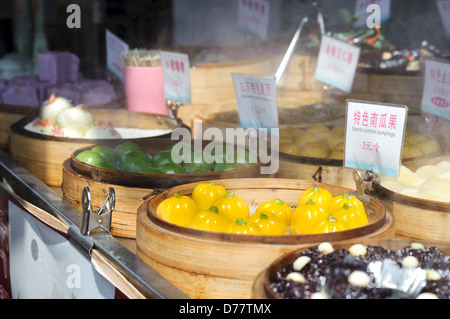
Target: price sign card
374, 136
253, 17
444, 11
257, 101
114, 48
436, 92
177, 76
337, 62
362, 9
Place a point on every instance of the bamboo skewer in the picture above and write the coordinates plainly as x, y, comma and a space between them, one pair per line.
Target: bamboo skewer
141, 58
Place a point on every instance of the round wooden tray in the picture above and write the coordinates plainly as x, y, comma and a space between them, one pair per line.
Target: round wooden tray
156, 181
261, 286
416, 217
194, 260
10, 114
44, 155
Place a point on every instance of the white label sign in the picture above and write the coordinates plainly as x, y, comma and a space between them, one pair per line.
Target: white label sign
257, 101
177, 76
361, 8
253, 17
374, 136
436, 92
444, 11
114, 49
337, 63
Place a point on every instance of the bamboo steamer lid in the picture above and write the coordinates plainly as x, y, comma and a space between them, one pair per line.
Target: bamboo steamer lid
217, 265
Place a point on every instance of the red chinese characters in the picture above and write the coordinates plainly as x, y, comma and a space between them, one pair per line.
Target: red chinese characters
255, 88
255, 6
258, 109
339, 53
375, 120
445, 6
440, 84
175, 66
439, 76
370, 146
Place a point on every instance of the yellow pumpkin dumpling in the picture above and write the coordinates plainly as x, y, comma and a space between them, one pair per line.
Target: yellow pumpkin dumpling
289, 148
337, 154
411, 151
333, 140
414, 138
317, 150
429, 146
317, 129
307, 138
296, 132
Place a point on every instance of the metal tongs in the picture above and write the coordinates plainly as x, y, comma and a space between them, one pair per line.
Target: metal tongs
316, 12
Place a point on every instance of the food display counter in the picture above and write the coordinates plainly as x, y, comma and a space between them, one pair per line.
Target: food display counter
111, 189
46, 221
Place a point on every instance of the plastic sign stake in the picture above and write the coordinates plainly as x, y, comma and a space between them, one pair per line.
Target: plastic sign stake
436, 92
257, 101
253, 17
374, 136
114, 48
177, 76
337, 62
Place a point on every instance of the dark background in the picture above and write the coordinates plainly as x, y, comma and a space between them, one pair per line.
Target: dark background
153, 24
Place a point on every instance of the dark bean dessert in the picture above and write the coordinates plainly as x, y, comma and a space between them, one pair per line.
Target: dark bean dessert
364, 272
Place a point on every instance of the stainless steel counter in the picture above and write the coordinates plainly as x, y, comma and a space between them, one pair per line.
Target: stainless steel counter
120, 253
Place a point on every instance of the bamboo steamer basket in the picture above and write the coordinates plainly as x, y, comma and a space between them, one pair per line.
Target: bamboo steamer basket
44, 155
291, 112
416, 217
212, 82
224, 114
218, 265
261, 288
212, 67
132, 189
10, 114
332, 171
372, 85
